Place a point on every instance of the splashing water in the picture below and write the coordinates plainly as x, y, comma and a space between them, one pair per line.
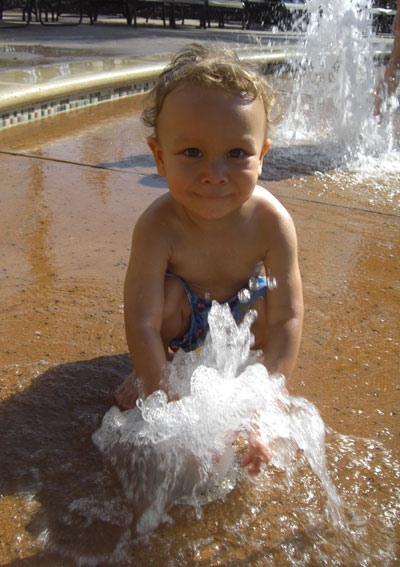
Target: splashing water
183, 451
332, 102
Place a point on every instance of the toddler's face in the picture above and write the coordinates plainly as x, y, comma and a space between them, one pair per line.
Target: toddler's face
210, 145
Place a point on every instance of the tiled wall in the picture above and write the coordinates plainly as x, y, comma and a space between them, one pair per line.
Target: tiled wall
41, 110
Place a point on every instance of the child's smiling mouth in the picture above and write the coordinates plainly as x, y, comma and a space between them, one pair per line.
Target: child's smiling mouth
212, 195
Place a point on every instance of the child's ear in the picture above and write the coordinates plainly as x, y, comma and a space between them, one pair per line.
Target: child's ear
265, 148
155, 147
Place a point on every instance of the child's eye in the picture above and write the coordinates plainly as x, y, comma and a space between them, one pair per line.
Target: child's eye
237, 153
192, 152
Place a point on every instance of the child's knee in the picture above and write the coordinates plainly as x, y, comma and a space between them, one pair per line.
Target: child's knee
177, 309
175, 297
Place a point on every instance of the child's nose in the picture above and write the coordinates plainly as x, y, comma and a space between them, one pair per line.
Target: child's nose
215, 172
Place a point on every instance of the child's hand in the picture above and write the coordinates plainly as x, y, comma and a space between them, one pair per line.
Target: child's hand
127, 394
258, 453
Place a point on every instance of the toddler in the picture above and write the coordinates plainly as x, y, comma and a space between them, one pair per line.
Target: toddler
216, 234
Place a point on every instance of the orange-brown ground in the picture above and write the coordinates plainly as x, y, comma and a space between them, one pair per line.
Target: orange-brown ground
69, 196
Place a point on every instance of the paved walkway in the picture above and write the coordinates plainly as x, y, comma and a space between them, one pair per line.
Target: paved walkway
117, 38
80, 58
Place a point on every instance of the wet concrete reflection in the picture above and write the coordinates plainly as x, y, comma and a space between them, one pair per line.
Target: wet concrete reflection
65, 233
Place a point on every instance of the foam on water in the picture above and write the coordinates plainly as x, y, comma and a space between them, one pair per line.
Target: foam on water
183, 451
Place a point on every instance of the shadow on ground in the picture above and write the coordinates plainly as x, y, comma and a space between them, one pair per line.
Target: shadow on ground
285, 162
280, 163
45, 436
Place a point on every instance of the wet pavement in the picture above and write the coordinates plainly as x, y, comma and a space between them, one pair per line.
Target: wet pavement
46, 44
71, 191
43, 66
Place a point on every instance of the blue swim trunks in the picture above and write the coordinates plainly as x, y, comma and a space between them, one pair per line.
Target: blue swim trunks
239, 305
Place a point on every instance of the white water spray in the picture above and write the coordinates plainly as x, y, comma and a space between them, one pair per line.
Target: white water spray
184, 451
332, 102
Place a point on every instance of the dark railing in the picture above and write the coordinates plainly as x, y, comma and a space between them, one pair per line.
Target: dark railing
246, 13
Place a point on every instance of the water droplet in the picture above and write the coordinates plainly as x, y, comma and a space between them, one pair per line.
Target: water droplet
244, 295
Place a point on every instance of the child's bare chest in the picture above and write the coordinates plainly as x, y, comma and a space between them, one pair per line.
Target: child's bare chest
217, 264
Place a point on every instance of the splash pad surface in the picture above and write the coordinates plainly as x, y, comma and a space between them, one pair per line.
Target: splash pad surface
71, 193
64, 346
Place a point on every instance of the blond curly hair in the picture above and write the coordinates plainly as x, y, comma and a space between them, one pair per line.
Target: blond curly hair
217, 67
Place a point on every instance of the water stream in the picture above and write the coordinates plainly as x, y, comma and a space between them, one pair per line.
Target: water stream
183, 450
329, 119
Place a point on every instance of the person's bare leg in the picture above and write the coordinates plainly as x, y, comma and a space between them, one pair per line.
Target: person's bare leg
393, 66
388, 84
177, 311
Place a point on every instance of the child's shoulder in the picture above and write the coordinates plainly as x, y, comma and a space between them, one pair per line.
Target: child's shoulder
266, 204
158, 219
274, 222
161, 208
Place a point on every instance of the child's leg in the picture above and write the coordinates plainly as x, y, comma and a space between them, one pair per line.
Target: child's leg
388, 84
177, 311
393, 66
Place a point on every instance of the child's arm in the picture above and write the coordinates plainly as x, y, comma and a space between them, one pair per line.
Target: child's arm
143, 307
282, 320
284, 305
